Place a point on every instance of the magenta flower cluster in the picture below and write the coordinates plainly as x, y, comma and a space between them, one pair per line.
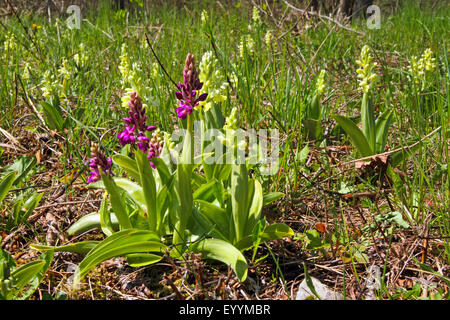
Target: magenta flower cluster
189, 89
136, 129
97, 162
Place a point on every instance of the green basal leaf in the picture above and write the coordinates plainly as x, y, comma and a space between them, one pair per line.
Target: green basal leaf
30, 205
142, 259
382, 129
255, 198
127, 164
25, 273
45, 261
82, 247
183, 186
91, 221
239, 196
270, 197
215, 219
271, 232
52, 116
313, 129
315, 110
116, 202
6, 184
119, 244
302, 155
368, 120
356, 135
148, 188
163, 171
105, 218
225, 252
310, 283
206, 191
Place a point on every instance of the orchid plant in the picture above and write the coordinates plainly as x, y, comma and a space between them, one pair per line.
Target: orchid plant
371, 139
313, 113
172, 206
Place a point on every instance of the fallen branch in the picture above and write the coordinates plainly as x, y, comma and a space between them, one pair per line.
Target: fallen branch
340, 25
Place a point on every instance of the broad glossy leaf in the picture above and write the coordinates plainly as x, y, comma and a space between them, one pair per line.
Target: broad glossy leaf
239, 196
356, 135
119, 244
148, 188
6, 184
90, 221
205, 191
25, 273
127, 164
216, 218
31, 204
22, 166
271, 232
368, 120
163, 171
270, 197
142, 259
116, 202
52, 116
382, 129
255, 197
303, 155
105, 218
82, 247
225, 252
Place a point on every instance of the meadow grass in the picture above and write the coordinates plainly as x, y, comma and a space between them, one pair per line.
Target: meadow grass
274, 87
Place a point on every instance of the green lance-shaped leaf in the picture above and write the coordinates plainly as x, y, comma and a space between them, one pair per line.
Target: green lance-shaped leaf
382, 125
255, 204
93, 220
271, 232
22, 166
315, 110
116, 202
6, 184
142, 259
31, 204
26, 273
120, 243
312, 122
82, 247
270, 197
163, 171
215, 219
149, 189
368, 120
183, 185
239, 195
225, 252
356, 135
127, 164
205, 191
52, 116
106, 223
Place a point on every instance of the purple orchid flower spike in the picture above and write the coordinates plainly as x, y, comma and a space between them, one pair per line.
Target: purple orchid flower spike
136, 129
136, 123
97, 162
189, 89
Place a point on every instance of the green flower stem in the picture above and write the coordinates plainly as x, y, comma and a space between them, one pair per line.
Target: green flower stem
184, 191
